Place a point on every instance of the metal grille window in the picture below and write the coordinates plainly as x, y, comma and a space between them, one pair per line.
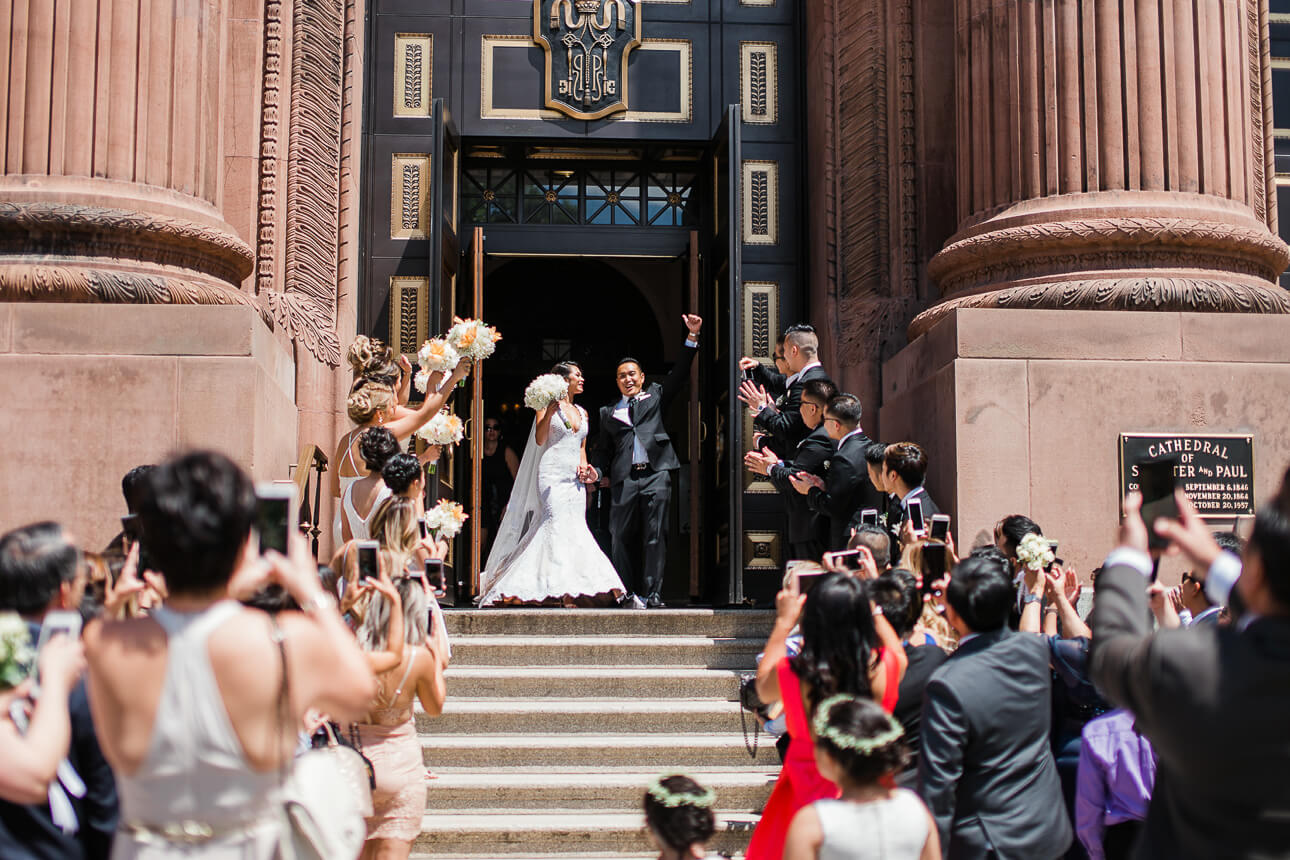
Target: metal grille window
489, 196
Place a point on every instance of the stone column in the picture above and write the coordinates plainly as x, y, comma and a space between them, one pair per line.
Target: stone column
113, 152
1112, 155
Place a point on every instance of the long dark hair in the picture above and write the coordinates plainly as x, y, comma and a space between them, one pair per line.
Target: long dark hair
838, 639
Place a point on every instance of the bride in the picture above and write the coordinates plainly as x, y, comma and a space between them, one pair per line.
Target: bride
544, 552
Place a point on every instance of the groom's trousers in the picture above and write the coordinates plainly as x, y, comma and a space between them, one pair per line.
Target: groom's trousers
638, 521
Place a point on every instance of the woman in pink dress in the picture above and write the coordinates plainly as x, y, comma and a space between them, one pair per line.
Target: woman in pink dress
847, 647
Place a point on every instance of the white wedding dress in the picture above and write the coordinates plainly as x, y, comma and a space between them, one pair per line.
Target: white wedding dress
544, 550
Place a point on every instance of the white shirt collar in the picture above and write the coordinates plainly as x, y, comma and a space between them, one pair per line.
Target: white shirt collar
1213, 610
963, 640
904, 502
788, 383
854, 432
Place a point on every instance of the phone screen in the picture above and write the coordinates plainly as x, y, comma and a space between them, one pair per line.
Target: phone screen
1157, 480
272, 517
55, 623
940, 527
869, 517
368, 565
807, 581
916, 516
434, 574
849, 558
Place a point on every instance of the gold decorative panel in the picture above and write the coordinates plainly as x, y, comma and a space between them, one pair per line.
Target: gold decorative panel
409, 314
490, 44
757, 485
763, 551
413, 73
761, 320
409, 195
761, 202
759, 82
756, 2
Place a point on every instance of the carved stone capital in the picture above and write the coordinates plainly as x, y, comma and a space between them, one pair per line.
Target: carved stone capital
32, 229
1145, 292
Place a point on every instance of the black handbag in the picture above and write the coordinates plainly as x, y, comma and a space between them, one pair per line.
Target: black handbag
750, 702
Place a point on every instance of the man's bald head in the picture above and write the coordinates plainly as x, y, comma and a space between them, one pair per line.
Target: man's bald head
801, 346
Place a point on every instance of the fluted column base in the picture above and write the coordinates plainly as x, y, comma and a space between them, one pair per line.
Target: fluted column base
1117, 250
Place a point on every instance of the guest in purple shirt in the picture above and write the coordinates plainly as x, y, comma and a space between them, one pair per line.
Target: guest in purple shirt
1117, 770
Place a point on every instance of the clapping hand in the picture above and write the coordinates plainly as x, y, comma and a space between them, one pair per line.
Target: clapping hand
754, 395
405, 366
804, 481
759, 462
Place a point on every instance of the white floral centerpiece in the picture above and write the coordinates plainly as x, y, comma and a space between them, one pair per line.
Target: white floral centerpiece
1034, 552
436, 356
445, 519
16, 653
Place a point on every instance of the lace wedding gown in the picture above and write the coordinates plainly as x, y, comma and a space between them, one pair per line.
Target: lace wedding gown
544, 551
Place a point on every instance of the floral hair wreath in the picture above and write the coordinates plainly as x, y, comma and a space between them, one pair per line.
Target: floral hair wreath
665, 796
894, 732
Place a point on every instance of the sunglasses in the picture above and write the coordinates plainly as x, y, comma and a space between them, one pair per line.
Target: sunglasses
491, 427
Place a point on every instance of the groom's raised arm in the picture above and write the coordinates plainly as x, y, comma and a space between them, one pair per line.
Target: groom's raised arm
680, 372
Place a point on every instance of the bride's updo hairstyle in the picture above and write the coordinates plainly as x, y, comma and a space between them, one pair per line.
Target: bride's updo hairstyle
196, 511
566, 368
372, 359
679, 812
367, 399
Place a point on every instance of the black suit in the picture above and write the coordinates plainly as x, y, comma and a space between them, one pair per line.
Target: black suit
846, 490
29, 831
783, 420
771, 380
1215, 704
929, 508
985, 768
806, 529
640, 494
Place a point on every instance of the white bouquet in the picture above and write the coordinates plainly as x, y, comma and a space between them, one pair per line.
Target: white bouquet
443, 429
445, 519
1034, 552
545, 390
436, 356
16, 653
473, 338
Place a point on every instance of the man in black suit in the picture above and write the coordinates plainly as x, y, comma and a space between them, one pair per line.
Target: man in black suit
771, 380
806, 529
41, 571
1228, 796
781, 418
903, 470
986, 770
635, 454
846, 487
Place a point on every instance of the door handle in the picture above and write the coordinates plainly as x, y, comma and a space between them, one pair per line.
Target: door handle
703, 432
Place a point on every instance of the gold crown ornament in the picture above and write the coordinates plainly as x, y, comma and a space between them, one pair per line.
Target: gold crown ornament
588, 7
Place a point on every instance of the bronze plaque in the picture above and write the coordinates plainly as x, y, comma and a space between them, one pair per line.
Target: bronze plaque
1215, 469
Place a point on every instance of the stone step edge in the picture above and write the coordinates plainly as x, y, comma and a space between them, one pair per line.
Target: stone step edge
528, 821
607, 639
580, 739
589, 705
589, 777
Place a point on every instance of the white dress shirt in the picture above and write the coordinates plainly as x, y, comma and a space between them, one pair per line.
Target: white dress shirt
623, 413
788, 383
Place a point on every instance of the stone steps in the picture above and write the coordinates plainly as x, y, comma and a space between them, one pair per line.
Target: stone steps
593, 716
556, 720
472, 834
588, 788
690, 651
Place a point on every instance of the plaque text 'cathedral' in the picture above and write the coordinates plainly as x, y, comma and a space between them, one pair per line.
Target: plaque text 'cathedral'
586, 43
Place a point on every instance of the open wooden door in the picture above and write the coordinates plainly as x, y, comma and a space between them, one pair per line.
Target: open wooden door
470, 461
725, 446
695, 301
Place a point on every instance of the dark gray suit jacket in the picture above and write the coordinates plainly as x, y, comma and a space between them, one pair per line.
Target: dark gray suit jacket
986, 770
1215, 704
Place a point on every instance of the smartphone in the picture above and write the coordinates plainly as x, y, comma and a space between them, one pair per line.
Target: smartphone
935, 557
807, 573
848, 559
1052, 546
869, 517
916, 516
369, 561
59, 621
748, 374
421, 526
434, 575
940, 527
273, 506
1157, 480
132, 527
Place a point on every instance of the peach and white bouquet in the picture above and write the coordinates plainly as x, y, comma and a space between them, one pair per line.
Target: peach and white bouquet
443, 429
473, 338
545, 390
1034, 552
445, 519
436, 356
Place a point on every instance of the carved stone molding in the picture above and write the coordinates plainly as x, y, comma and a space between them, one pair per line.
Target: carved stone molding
1057, 247
1146, 293
31, 229
26, 283
266, 250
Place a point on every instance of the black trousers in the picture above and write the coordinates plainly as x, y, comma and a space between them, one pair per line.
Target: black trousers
808, 550
638, 524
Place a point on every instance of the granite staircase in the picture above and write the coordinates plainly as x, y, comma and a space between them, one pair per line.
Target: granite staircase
557, 719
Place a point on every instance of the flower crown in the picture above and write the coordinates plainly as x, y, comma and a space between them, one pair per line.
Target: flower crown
665, 796
842, 740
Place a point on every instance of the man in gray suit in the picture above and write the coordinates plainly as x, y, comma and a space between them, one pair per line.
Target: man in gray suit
1227, 796
985, 769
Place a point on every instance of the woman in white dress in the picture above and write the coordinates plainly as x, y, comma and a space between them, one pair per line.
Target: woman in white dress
544, 552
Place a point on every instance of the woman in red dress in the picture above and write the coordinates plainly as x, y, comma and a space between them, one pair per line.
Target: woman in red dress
847, 647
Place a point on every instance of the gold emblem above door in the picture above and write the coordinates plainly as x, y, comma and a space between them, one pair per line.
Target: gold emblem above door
587, 43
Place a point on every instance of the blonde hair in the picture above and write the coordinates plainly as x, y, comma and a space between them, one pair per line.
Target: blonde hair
367, 399
374, 631
370, 357
394, 525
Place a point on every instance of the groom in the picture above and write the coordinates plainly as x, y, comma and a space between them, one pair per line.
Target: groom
635, 458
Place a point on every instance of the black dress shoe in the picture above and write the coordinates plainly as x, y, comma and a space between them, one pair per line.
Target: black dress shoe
630, 601
655, 602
